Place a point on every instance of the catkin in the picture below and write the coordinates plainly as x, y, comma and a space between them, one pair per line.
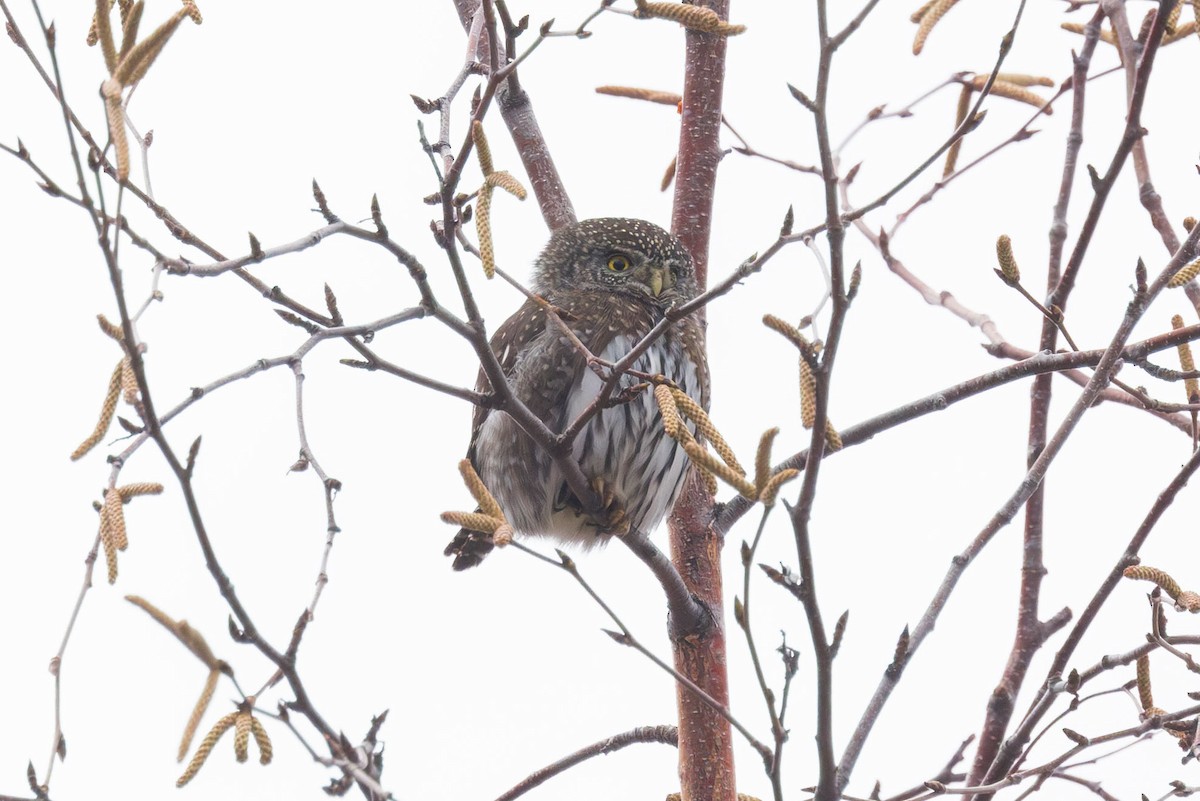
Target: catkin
1012, 91
189, 731
241, 735
1186, 363
920, 12
1145, 695
637, 93
711, 464
771, 490
479, 491
1173, 17
106, 415
698, 18
134, 66
808, 394
672, 422
704, 425
205, 748
762, 459
264, 742
482, 150
1184, 275
483, 229
130, 22
139, 488
960, 114
833, 440
111, 91
506, 182
931, 16
1021, 79
1008, 263
113, 516
1159, 577
472, 521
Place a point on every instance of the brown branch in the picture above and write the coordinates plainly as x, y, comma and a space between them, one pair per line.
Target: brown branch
1044, 771
667, 735
1147, 194
1046, 696
1133, 132
1031, 633
173, 225
969, 123
779, 733
1022, 134
946, 775
626, 637
1140, 401
828, 788
516, 108
248, 631
1104, 369
1032, 364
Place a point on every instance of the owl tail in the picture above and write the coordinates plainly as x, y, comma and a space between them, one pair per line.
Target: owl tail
468, 548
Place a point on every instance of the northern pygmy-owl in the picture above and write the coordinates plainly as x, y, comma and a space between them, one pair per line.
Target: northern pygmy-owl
614, 278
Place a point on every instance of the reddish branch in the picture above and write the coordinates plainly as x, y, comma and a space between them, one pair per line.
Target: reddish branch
1031, 632
1013, 747
705, 740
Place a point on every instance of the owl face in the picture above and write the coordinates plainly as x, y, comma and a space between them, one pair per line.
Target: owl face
614, 254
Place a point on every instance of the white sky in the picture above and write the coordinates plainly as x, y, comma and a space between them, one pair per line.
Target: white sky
492, 674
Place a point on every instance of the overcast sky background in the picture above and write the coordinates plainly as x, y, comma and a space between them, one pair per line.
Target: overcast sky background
491, 674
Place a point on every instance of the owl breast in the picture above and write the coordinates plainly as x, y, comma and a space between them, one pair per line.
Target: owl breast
624, 446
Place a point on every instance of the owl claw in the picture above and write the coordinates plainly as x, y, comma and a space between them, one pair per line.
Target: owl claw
618, 523
611, 518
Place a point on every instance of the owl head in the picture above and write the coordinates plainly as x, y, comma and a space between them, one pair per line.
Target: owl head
615, 254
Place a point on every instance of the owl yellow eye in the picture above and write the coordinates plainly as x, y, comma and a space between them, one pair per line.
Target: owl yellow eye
618, 264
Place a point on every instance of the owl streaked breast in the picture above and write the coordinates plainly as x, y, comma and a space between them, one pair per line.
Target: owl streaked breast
624, 445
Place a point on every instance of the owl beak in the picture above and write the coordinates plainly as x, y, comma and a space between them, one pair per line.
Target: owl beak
660, 278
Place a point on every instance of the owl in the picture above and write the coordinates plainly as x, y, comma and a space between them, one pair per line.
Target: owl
613, 279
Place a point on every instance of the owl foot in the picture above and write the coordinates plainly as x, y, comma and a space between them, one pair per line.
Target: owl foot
611, 518
468, 548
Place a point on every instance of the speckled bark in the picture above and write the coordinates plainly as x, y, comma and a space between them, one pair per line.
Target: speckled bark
706, 771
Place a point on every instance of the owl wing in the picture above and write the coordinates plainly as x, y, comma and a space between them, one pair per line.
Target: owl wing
508, 343
468, 548
512, 341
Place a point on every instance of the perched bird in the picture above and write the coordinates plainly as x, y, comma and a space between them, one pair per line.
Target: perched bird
613, 279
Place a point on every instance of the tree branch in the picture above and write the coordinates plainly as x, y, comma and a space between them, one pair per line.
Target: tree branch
667, 735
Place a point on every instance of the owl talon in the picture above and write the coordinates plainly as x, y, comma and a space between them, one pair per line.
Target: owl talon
618, 523
611, 518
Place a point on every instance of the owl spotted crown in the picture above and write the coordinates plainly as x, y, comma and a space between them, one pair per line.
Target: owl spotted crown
612, 253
